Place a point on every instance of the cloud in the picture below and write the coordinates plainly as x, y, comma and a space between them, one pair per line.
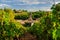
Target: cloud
32, 5
54, 1
41, 8
19, 4
7, 1
30, 2
36, 3
26, 2
46, 8
4, 5
57, 2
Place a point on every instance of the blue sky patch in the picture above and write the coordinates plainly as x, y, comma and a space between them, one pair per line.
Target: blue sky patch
30, 5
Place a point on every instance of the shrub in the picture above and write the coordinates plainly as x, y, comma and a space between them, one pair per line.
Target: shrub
11, 30
36, 15
22, 16
8, 27
36, 30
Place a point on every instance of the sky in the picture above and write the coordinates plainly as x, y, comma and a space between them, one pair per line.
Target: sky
30, 5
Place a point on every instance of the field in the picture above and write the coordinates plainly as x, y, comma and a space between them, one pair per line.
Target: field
24, 25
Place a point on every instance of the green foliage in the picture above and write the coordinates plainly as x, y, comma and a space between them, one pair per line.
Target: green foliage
56, 22
22, 16
36, 30
8, 27
37, 14
46, 22
48, 28
11, 30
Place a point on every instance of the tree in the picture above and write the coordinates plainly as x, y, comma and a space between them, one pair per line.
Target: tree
56, 22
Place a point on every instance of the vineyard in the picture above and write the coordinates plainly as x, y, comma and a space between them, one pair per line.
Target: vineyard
46, 24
